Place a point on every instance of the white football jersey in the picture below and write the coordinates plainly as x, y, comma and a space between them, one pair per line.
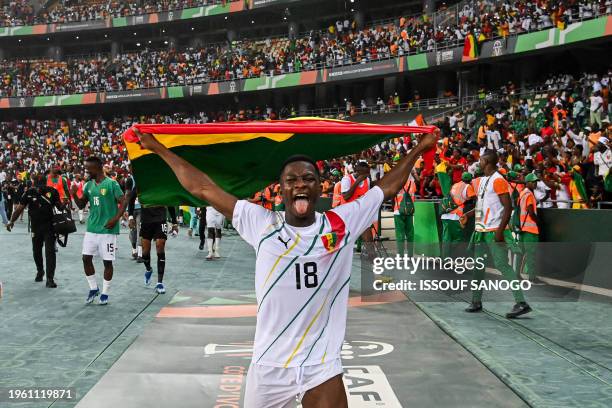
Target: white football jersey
302, 279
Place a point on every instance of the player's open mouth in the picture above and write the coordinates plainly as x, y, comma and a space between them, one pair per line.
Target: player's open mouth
300, 203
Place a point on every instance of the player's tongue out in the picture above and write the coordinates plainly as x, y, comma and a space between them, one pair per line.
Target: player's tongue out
300, 204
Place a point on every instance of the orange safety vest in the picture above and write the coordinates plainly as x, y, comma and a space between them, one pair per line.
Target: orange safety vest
459, 195
515, 186
80, 185
59, 186
528, 224
409, 188
268, 197
360, 190
337, 197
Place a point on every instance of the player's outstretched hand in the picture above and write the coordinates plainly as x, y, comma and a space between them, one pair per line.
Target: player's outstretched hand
147, 140
429, 140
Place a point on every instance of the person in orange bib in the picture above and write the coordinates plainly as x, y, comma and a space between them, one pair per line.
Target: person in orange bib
268, 202
530, 232
55, 180
337, 194
403, 217
461, 193
78, 181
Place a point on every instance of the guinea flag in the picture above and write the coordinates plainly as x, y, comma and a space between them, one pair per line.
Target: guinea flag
470, 48
244, 157
579, 185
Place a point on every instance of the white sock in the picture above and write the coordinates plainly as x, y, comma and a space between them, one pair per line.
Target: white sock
217, 244
91, 279
80, 215
105, 287
140, 251
209, 245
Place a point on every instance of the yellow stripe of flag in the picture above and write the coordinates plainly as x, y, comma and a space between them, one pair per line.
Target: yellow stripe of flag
169, 140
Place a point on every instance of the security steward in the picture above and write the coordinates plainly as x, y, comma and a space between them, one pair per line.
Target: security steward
462, 194
40, 200
530, 232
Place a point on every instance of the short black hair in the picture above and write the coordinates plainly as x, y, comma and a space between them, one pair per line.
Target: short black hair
299, 158
94, 159
491, 153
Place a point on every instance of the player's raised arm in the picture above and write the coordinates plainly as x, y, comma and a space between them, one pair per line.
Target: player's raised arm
196, 182
393, 181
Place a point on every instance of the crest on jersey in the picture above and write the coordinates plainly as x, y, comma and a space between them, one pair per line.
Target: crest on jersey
332, 240
103, 191
48, 194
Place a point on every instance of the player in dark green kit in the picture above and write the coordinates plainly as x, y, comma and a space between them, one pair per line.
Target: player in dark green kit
106, 206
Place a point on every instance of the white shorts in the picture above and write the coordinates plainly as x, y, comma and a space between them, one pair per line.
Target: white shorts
214, 219
103, 245
277, 387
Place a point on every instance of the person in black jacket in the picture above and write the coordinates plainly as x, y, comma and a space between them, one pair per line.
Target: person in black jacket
10, 191
202, 215
40, 200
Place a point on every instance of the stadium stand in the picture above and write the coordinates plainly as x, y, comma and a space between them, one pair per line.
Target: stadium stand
274, 56
20, 12
517, 123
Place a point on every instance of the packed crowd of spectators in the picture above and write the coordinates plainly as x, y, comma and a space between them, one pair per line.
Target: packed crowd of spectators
342, 43
20, 12
566, 131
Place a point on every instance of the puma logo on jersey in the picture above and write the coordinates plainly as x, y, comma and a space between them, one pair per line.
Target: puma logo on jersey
284, 242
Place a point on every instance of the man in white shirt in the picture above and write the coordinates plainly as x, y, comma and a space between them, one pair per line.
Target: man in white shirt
596, 85
542, 194
603, 157
301, 318
579, 112
533, 139
596, 108
493, 139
